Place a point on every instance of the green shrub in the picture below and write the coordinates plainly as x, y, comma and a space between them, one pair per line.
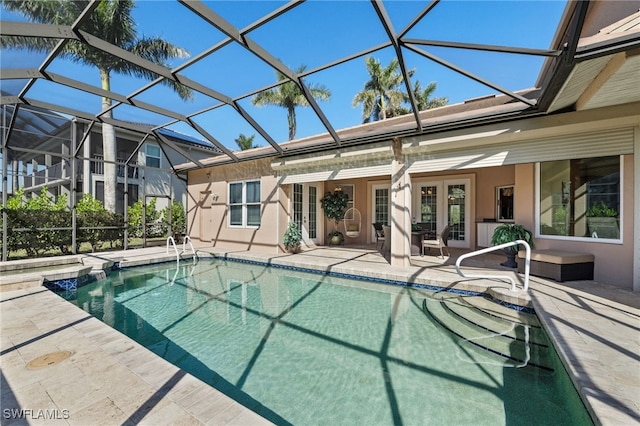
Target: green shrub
292, 238
178, 218
96, 224
135, 219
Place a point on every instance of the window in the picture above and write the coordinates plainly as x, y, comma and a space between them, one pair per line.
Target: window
297, 204
428, 206
349, 190
153, 155
504, 203
244, 204
580, 198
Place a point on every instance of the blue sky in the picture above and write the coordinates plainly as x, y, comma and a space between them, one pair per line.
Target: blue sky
313, 34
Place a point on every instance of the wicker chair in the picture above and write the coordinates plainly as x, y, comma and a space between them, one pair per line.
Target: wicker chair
352, 221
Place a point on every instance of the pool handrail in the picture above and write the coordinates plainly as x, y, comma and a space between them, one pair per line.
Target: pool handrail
499, 247
184, 242
170, 239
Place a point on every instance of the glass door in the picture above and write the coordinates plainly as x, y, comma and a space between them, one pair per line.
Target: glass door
306, 205
437, 204
429, 211
380, 206
457, 211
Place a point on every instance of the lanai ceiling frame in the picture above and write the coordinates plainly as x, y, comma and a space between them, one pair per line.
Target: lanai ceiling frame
398, 41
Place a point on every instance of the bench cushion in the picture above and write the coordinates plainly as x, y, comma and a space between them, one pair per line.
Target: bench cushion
558, 257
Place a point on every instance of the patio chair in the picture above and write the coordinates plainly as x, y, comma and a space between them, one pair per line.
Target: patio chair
379, 233
440, 242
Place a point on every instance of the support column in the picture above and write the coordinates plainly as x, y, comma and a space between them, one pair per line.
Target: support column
66, 158
87, 176
73, 187
125, 213
5, 188
48, 161
400, 208
636, 209
15, 183
34, 171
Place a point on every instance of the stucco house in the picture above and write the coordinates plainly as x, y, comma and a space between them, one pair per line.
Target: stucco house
548, 162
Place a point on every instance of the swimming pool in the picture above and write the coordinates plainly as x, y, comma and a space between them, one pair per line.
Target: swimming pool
305, 348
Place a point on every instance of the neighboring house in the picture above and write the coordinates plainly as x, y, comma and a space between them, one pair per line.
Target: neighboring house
488, 158
42, 143
153, 177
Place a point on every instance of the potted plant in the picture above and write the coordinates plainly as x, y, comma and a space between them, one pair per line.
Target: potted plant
334, 205
602, 221
292, 238
507, 233
335, 238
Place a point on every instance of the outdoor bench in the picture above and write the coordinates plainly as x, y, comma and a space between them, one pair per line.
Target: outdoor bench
558, 265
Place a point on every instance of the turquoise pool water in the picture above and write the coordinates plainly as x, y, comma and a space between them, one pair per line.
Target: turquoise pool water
309, 349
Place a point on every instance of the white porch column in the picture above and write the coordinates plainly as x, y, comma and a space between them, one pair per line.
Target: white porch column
636, 209
87, 176
400, 208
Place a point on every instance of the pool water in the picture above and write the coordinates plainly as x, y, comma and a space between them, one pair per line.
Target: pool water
301, 348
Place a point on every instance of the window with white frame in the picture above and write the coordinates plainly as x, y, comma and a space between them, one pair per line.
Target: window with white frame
153, 155
348, 189
244, 204
580, 198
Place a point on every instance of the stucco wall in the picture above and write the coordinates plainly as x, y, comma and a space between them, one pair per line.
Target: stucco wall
208, 206
487, 180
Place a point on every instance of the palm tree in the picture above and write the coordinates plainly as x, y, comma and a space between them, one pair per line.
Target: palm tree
422, 97
383, 93
245, 142
111, 22
289, 95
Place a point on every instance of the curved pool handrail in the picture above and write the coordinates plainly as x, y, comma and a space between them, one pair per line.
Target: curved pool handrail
184, 245
172, 241
499, 247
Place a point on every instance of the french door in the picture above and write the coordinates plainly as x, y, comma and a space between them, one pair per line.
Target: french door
439, 203
306, 212
380, 206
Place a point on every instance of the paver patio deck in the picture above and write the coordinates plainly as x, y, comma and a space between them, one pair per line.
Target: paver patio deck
110, 379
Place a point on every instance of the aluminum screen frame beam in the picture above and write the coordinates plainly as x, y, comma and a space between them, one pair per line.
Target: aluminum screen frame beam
243, 40
470, 75
388, 27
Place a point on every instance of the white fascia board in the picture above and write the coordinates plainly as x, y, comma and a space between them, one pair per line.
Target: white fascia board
520, 130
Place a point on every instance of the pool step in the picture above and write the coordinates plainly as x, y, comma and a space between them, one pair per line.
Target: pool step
516, 343
492, 308
494, 324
